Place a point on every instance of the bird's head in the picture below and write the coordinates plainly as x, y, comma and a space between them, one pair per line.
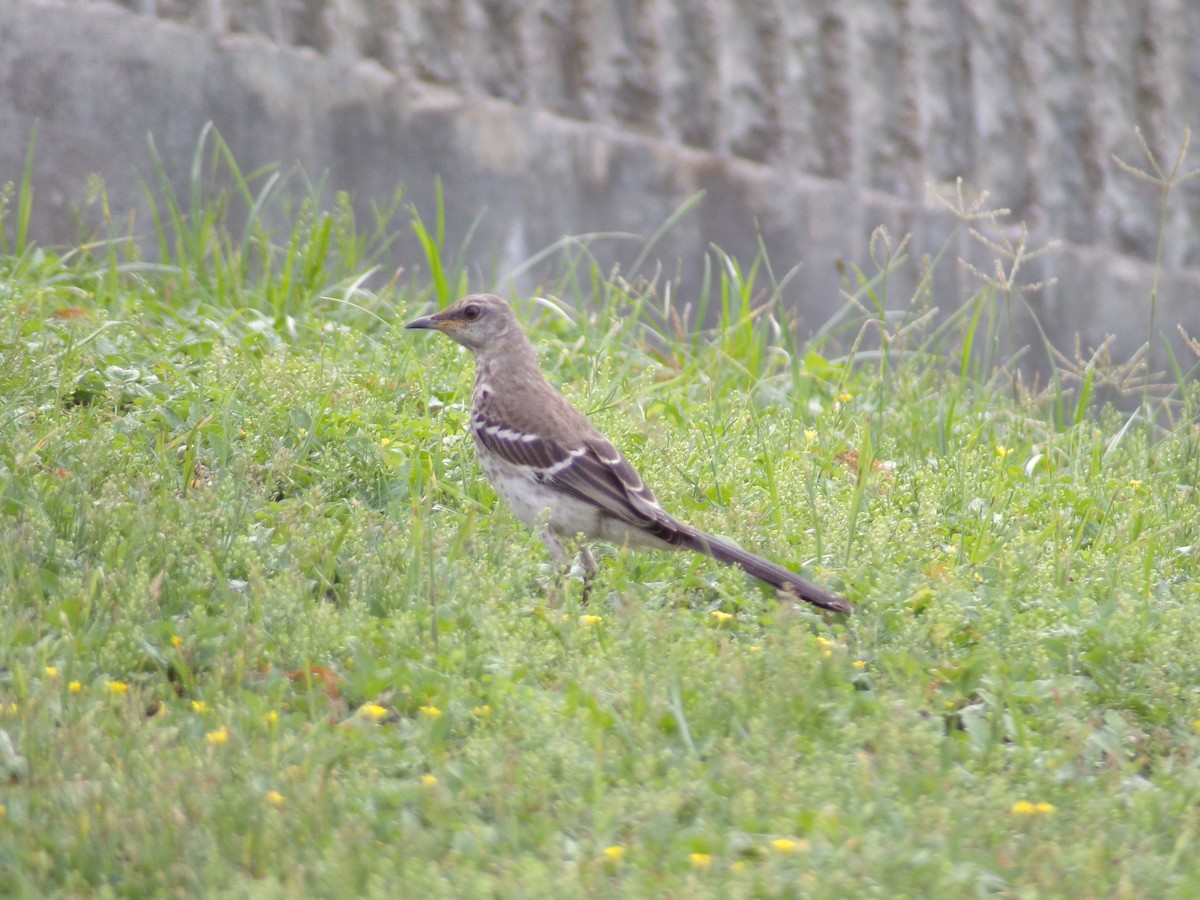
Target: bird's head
475, 321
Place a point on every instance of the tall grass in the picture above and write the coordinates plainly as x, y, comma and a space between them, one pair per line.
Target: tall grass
16, 244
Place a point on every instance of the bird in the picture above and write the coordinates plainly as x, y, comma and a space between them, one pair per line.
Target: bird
556, 471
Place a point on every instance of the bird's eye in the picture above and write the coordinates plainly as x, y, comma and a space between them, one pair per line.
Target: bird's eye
471, 313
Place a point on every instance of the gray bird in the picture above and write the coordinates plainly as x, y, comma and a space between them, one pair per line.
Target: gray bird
556, 471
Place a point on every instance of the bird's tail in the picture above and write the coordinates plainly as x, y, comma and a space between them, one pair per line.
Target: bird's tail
764, 570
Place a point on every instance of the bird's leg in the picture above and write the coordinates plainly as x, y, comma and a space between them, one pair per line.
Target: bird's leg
554, 545
587, 563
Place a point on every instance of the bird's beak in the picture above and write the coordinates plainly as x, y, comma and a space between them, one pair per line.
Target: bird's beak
425, 322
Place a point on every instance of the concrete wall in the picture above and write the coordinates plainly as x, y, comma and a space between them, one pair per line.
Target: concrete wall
806, 121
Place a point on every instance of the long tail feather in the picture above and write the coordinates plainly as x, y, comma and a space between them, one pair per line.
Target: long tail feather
764, 570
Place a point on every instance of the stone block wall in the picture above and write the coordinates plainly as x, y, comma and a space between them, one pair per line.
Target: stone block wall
806, 122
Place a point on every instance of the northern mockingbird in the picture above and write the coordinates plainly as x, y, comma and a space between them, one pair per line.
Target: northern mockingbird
556, 471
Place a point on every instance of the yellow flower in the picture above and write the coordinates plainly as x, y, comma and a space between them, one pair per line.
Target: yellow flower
3, 811
825, 642
275, 798
810, 434
373, 711
787, 845
1002, 451
755, 648
176, 640
384, 442
1135, 483
845, 397
199, 707
721, 616
615, 853
701, 860
860, 664
11, 708
591, 620
1043, 808
117, 687
271, 717
74, 687
218, 737
1022, 808
429, 780
431, 711
51, 672
484, 710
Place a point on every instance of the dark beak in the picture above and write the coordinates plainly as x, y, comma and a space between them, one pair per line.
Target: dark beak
423, 322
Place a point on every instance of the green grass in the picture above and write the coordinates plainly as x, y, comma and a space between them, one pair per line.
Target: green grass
265, 631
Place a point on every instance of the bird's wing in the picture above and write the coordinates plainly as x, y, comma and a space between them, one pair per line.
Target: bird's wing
591, 469
518, 447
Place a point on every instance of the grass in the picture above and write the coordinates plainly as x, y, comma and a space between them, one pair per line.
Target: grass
261, 632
